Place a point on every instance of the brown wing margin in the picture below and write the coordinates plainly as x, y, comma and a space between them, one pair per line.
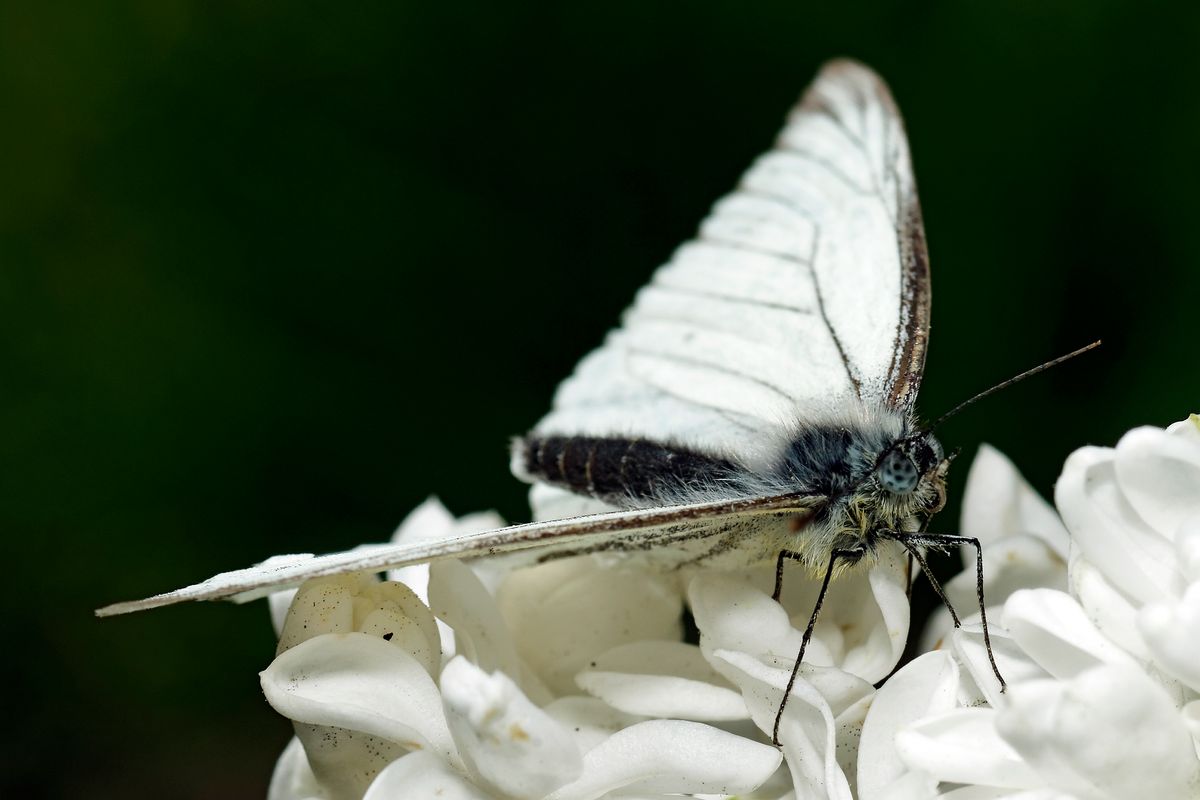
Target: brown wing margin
592, 532
912, 335
908, 359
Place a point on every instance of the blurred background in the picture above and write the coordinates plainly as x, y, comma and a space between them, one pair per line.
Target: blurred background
270, 275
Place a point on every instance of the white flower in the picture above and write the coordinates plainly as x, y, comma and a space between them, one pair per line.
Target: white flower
1104, 678
1024, 543
572, 680
379, 713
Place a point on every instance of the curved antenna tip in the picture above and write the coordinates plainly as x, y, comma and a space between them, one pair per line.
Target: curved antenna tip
1014, 379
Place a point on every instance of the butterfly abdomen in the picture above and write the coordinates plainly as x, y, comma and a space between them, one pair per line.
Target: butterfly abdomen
622, 471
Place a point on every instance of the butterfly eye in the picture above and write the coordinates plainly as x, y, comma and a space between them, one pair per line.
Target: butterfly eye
898, 473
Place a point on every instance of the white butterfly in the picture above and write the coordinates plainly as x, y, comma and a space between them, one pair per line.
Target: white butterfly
757, 401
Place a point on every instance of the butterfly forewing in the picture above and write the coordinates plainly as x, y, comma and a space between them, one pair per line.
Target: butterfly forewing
806, 287
808, 283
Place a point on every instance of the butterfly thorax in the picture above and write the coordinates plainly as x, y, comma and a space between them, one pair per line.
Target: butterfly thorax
876, 478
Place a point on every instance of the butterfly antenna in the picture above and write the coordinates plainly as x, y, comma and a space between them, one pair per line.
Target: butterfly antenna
1005, 384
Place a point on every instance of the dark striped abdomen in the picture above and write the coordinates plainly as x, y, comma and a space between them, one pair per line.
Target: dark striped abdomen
615, 469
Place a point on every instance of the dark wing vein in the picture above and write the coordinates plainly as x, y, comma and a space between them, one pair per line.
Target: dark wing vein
728, 298
708, 365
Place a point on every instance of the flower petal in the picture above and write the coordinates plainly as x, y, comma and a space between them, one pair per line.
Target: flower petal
292, 778
998, 793
393, 611
1014, 562
1172, 632
1110, 732
359, 603
1187, 545
969, 646
345, 762
459, 598
854, 631
1159, 474
360, 683
927, 685
849, 724
1187, 428
662, 679
565, 613
884, 638
326, 605
1191, 721
1107, 607
508, 744
807, 730
863, 626
734, 615
1052, 628
962, 746
421, 775
590, 721
998, 502
672, 756
431, 520
1110, 533
279, 603
1010, 564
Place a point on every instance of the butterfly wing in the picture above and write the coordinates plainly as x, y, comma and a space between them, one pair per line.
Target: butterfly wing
806, 285
683, 532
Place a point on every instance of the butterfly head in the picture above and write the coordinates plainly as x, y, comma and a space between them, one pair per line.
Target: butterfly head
911, 461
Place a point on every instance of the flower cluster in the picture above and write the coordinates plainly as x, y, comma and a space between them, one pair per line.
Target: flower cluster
576, 680
1099, 639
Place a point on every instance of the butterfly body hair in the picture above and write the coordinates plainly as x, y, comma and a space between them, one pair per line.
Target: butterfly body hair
835, 455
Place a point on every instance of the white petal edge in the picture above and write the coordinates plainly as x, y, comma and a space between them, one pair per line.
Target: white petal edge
1159, 474
459, 598
1052, 628
927, 685
421, 775
808, 730
1108, 732
507, 743
361, 683
962, 746
565, 613
662, 679
292, 778
1109, 533
999, 502
672, 756
1172, 632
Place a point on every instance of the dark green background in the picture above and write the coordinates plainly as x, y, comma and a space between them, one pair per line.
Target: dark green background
271, 273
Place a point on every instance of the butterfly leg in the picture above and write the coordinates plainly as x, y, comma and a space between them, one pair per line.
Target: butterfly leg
915, 553
941, 540
784, 555
850, 555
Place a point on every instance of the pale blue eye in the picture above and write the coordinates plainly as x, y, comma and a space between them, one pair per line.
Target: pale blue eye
898, 473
